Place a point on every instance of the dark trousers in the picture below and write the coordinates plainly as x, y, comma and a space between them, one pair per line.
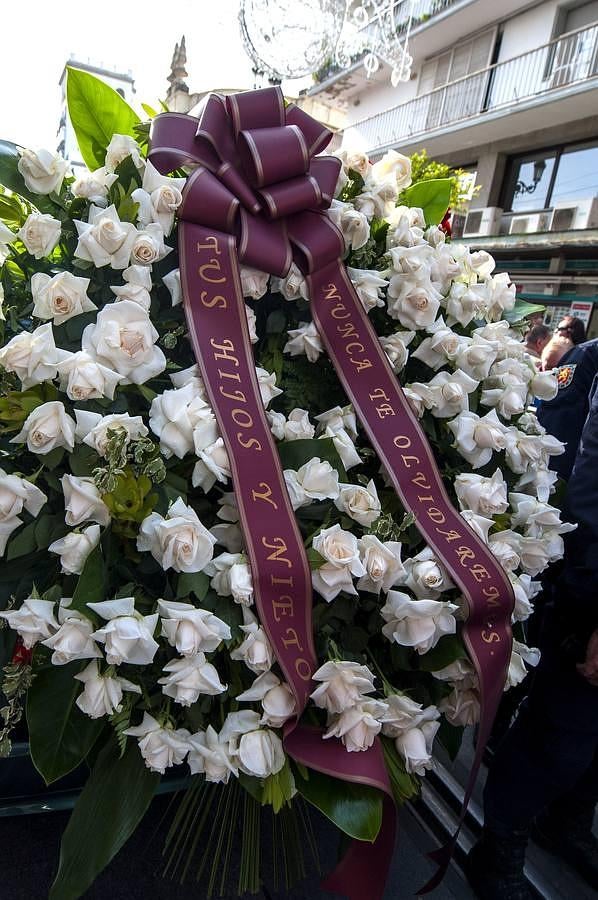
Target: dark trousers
549, 757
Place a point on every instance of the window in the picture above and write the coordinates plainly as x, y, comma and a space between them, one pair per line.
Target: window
549, 178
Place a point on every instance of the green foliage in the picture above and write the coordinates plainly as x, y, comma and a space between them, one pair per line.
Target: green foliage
15, 406
432, 197
111, 805
424, 169
129, 501
448, 650
521, 310
97, 112
91, 583
60, 735
354, 808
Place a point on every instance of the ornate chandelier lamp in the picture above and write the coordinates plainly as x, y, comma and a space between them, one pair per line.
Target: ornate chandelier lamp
287, 39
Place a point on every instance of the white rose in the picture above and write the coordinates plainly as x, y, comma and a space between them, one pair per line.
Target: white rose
382, 563
260, 753
338, 419
520, 655
172, 281
120, 147
395, 347
94, 429
449, 393
525, 590
33, 621
174, 416
17, 494
480, 525
466, 303
406, 227
189, 677
231, 576
304, 341
94, 186
255, 650
461, 707
356, 160
251, 324
82, 378
40, 233
210, 756
359, 503
455, 671
43, 172
179, 541
358, 726
425, 576
477, 438
344, 446
213, 465
505, 546
278, 701
123, 339
127, 635
342, 685
32, 356
137, 286
104, 240
544, 385
75, 547
476, 358
148, 247
82, 501
102, 694
292, 286
190, 376
415, 746
485, 496
353, 225
402, 714
392, 167
341, 552
254, 283
377, 201
47, 427
267, 385
417, 623
165, 195
160, 747
315, 480
60, 297
537, 553
191, 630
501, 294
74, 638
509, 401
369, 287
415, 307
228, 536
296, 428
442, 347
414, 260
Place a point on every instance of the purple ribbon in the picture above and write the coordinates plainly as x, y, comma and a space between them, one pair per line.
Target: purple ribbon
256, 195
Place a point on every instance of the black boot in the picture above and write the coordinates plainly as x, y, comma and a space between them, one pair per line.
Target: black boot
570, 837
494, 867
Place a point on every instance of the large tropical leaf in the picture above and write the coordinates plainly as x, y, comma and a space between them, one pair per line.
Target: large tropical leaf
432, 197
97, 112
60, 735
111, 805
354, 808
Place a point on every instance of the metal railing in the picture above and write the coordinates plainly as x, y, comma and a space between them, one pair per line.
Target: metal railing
421, 11
568, 60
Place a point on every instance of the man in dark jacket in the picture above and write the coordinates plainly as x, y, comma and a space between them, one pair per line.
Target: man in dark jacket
546, 768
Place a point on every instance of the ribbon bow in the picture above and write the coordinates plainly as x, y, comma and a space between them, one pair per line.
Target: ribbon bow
257, 177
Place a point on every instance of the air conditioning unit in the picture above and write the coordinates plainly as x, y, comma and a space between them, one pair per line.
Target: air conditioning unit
533, 223
458, 221
481, 222
572, 216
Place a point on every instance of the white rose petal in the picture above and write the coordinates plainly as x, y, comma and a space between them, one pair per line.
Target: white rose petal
417, 623
75, 547
82, 378
60, 297
104, 240
94, 430
82, 501
123, 339
160, 747
33, 621
43, 172
102, 693
127, 636
189, 677
191, 630
46, 428
342, 685
178, 541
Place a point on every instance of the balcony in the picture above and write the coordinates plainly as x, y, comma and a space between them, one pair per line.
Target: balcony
563, 68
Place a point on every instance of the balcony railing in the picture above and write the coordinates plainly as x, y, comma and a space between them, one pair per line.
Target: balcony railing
421, 12
569, 60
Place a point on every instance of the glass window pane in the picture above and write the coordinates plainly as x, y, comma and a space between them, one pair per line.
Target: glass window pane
531, 184
577, 176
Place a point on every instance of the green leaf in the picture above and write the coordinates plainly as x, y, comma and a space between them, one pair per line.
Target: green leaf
354, 808
12, 179
432, 197
12, 211
450, 737
111, 805
294, 454
22, 543
97, 112
149, 110
60, 735
91, 584
521, 310
315, 559
196, 583
448, 649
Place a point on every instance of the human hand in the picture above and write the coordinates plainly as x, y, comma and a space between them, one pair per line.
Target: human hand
589, 668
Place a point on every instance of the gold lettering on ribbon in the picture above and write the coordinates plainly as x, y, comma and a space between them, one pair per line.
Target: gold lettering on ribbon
265, 494
217, 301
292, 640
491, 637
303, 669
278, 545
402, 442
211, 243
213, 264
225, 349
283, 607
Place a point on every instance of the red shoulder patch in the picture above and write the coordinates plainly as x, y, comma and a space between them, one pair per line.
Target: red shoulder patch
564, 375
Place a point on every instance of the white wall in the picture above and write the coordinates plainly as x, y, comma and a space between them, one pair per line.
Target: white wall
528, 30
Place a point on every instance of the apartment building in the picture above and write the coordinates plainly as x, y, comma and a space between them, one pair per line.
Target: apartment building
508, 90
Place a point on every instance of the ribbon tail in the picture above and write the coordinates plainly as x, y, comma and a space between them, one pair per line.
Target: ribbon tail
363, 871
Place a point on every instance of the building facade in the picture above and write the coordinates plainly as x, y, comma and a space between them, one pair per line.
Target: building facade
123, 82
509, 91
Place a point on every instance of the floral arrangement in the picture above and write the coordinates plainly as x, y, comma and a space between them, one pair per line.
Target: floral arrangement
125, 583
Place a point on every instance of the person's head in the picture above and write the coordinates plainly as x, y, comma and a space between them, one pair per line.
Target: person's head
537, 338
573, 328
555, 349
